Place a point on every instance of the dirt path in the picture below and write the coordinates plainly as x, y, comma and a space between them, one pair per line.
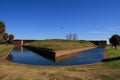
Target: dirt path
73, 51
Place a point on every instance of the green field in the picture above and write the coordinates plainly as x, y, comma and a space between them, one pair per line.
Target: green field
56, 44
109, 70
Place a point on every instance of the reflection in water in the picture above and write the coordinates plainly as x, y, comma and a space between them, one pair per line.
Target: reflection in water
10, 57
21, 49
25, 56
63, 58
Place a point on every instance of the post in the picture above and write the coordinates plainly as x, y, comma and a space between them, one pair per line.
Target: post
21, 42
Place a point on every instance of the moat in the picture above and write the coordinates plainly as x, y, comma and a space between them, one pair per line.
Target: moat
24, 56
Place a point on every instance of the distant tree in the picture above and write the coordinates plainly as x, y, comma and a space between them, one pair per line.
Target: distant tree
11, 37
72, 37
2, 27
5, 37
75, 37
115, 40
69, 37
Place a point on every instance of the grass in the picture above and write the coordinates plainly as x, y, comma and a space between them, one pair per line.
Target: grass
113, 57
2, 76
109, 77
109, 70
4, 48
60, 44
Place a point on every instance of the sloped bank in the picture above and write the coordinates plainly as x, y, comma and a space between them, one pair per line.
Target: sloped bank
6, 53
72, 51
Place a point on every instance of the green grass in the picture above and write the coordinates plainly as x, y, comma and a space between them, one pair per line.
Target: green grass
4, 48
112, 52
60, 44
114, 56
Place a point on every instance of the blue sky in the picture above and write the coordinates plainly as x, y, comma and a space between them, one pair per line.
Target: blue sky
42, 19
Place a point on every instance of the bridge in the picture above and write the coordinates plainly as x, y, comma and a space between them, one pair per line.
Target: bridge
99, 43
22, 42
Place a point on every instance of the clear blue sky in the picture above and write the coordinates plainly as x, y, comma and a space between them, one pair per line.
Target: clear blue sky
42, 19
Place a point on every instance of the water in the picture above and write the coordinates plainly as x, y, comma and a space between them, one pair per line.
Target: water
25, 56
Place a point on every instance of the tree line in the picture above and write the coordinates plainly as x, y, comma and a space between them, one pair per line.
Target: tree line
4, 36
71, 36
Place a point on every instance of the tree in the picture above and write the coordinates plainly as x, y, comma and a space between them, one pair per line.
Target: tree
69, 37
75, 37
72, 37
115, 40
2, 27
11, 37
2, 31
5, 37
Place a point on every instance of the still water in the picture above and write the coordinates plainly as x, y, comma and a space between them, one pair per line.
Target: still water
25, 56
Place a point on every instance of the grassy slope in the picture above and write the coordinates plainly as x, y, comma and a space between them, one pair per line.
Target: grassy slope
60, 44
103, 71
4, 49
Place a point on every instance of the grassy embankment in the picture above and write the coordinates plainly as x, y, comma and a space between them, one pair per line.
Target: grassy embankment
57, 45
109, 70
4, 48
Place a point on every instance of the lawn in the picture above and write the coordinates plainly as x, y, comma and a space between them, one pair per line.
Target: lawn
109, 70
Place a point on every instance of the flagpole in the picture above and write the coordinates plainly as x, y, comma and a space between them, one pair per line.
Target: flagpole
61, 31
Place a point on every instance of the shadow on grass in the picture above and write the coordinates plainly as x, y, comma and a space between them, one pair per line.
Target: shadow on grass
111, 59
